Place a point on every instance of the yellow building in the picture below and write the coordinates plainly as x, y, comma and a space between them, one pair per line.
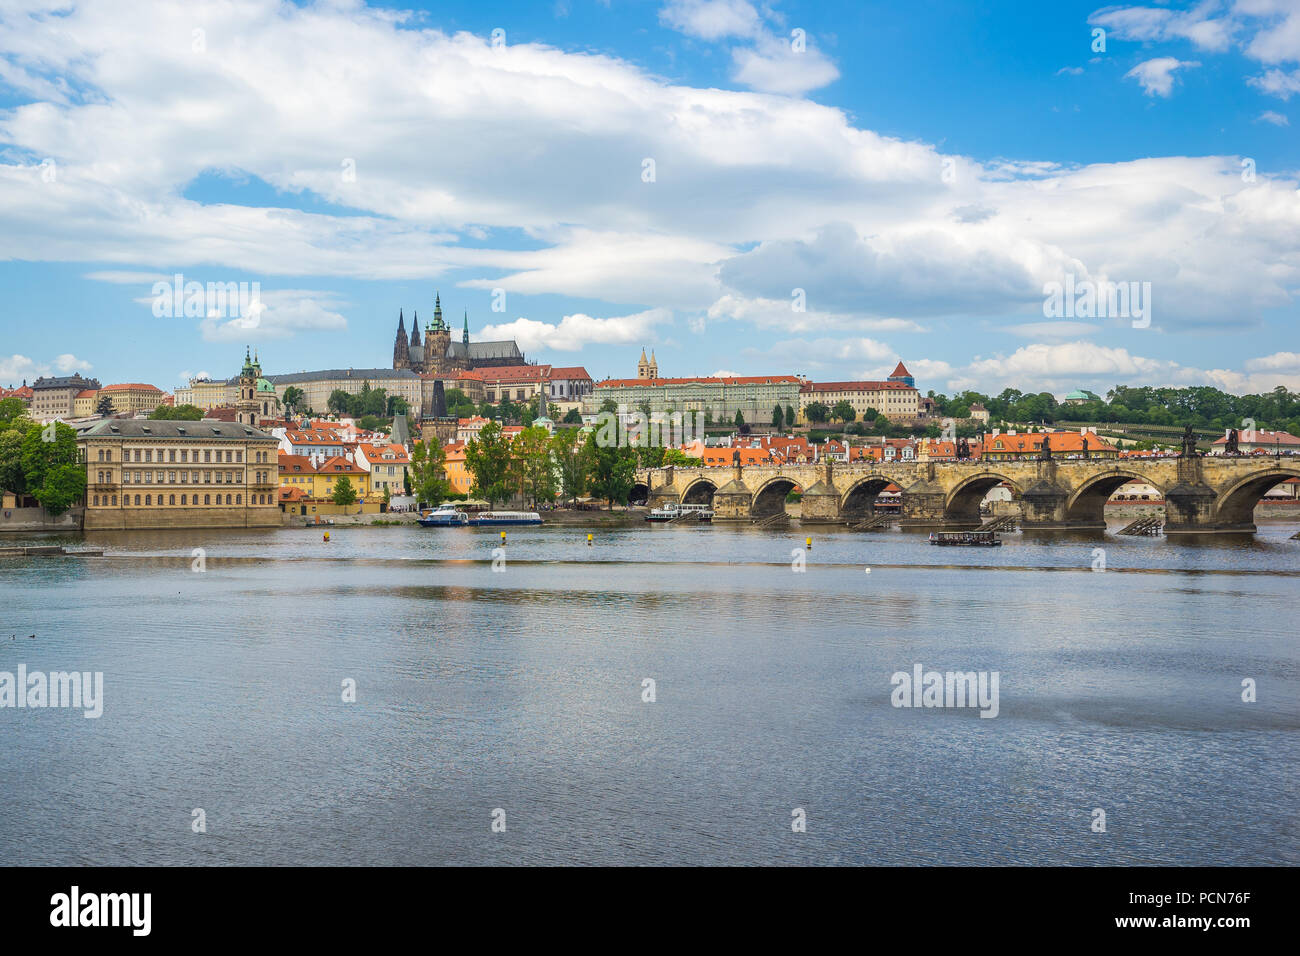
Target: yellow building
206, 394
133, 398
897, 401
176, 474
84, 403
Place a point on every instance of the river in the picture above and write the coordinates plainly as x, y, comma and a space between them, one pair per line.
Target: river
523, 690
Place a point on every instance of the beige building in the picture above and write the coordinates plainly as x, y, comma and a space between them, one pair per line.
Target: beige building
56, 397
84, 403
133, 398
206, 394
897, 401
177, 474
753, 396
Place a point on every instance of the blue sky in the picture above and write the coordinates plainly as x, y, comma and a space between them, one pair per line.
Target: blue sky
923, 172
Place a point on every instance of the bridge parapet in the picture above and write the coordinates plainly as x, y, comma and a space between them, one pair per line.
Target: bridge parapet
1201, 494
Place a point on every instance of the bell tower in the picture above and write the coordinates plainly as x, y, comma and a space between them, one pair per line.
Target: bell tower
246, 407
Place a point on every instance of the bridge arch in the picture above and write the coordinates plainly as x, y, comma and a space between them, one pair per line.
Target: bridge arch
769, 499
963, 502
1235, 506
859, 500
640, 493
1088, 502
699, 492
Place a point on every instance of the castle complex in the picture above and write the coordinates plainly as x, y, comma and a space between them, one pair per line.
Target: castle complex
439, 356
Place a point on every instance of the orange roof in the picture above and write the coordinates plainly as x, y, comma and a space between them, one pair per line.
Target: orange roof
131, 386
1262, 437
727, 456
86, 393
292, 493
1063, 442
901, 369
295, 463
385, 454
340, 465
515, 373
855, 386
702, 380
572, 371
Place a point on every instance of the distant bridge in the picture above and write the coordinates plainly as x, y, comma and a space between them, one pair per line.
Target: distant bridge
1202, 494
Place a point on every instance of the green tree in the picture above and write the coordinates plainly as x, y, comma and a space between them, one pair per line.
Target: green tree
817, 413
608, 405
428, 473
679, 458
535, 468
790, 418
613, 472
180, 413
573, 461
104, 406
339, 402
740, 419
344, 494
489, 460
11, 409
573, 417
778, 418
51, 471
13, 478
293, 399
843, 411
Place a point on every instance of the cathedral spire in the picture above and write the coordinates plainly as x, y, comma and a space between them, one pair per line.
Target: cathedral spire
415, 329
401, 352
437, 311
464, 336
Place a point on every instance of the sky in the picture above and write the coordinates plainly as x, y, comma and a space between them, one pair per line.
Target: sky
814, 188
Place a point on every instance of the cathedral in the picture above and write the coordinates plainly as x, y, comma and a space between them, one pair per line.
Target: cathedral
437, 355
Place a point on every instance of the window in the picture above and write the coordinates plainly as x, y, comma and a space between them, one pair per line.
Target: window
96, 501
185, 454
227, 499
207, 454
228, 456
171, 499
239, 456
115, 501
148, 499
171, 455
137, 499
239, 499
148, 454
182, 499
207, 499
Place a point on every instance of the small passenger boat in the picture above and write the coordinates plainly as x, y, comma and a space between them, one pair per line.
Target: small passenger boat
968, 539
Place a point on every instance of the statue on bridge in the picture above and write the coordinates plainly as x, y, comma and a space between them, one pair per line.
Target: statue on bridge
1189, 442
1232, 445
1046, 454
1085, 446
963, 449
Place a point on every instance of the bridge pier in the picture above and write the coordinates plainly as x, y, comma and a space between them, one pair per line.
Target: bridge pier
820, 504
733, 502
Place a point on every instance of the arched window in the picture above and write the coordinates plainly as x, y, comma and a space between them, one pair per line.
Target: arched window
96, 501
115, 501
227, 499
239, 499
183, 499
148, 500
137, 500
171, 499
207, 499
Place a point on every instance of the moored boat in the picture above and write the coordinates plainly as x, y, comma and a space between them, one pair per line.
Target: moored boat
444, 516
969, 539
490, 518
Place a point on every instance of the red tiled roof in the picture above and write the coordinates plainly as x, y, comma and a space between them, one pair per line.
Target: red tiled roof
703, 380
855, 386
901, 369
130, 385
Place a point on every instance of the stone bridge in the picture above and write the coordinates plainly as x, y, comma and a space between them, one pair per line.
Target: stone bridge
1202, 494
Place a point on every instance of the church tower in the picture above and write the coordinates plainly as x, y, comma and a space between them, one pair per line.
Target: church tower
643, 367
416, 349
437, 341
464, 336
246, 407
654, 366
401, 355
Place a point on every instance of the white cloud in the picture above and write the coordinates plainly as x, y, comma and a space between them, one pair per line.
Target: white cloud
279, 314
711, 19
1277, 83
14, 369
578, 330
1157, 75
780, 314
1151, 24
754, 194
1277, 119
1069, 71
725, 373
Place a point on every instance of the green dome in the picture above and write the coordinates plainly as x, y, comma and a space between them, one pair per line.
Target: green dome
264, 386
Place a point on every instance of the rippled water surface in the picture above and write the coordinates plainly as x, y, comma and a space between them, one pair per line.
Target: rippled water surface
522, 690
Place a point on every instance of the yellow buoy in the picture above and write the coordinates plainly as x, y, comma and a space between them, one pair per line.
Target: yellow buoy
808, 543
503, 537
589, 541
327, 536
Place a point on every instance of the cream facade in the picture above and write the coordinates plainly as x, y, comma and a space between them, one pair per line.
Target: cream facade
895, 400
174, 474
